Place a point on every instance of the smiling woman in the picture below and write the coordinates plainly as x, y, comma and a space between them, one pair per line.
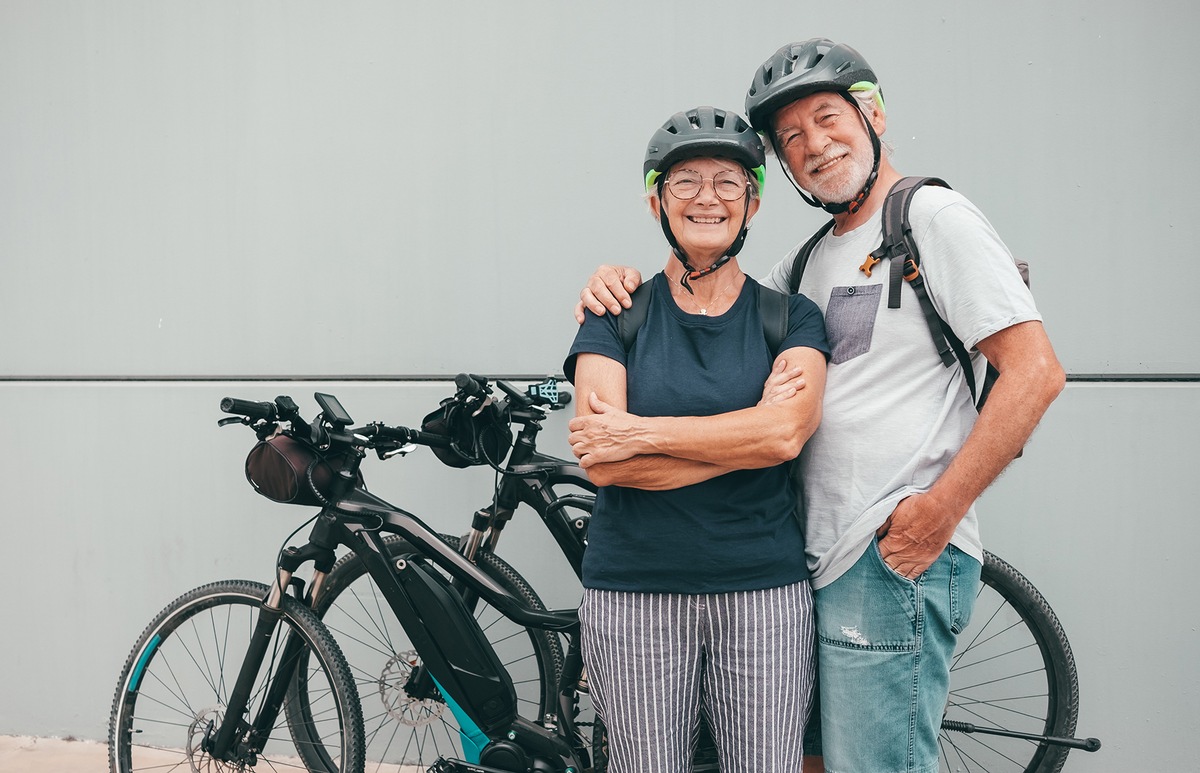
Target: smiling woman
677, 543
708, 202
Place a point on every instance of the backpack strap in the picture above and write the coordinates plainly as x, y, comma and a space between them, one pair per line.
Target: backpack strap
901, 249
631, 320
802, 256
773, 308
900, 246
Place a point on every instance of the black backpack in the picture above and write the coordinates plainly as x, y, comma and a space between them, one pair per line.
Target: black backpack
772, 307
901, 249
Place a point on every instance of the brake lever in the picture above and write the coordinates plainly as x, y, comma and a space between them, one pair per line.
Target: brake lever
402, 450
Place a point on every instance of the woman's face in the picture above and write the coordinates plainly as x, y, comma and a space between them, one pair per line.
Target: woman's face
706, 224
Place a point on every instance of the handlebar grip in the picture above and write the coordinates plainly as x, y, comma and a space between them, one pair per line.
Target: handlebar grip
250, 408
470, 385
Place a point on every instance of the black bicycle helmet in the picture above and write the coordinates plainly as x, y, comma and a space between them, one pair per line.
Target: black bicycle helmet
799, 69
703, 132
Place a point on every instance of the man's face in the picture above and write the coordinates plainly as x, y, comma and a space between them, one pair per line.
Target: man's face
824, 141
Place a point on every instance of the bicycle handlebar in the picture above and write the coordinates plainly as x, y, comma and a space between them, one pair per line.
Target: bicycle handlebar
471, 390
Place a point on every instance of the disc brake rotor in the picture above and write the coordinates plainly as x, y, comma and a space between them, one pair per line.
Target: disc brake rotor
402, 707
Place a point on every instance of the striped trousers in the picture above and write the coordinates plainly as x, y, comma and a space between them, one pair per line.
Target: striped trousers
656, 660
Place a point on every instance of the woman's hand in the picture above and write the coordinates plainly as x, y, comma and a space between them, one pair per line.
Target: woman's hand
608, 290
783, 383
607, 435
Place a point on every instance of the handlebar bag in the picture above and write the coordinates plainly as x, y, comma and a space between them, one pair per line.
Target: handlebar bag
287, 470
476, 438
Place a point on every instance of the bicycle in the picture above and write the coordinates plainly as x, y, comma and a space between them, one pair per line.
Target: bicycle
1014, 689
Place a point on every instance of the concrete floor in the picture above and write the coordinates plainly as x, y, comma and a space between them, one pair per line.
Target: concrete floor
25, 754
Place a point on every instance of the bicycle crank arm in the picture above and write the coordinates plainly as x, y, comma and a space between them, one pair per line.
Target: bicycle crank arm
1087, 744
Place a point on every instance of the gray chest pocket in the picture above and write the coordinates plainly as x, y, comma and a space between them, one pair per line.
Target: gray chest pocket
850, 320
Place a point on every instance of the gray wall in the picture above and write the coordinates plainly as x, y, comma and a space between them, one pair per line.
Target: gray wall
202, 199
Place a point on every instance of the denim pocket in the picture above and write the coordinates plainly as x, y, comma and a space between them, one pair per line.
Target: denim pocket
870, 607
850, 320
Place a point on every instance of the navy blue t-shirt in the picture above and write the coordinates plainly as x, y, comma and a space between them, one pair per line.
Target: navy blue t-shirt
734, 532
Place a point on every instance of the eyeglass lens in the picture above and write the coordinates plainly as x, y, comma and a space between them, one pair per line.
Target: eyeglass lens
729, 186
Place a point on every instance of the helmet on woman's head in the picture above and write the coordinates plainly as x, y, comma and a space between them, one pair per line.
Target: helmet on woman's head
799, 69
702, 132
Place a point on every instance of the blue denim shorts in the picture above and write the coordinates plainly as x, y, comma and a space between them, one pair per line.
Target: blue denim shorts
884, 646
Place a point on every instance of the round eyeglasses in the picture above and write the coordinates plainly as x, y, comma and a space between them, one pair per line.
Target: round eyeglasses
729, 186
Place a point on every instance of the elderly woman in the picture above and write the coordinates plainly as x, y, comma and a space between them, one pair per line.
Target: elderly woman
695, 586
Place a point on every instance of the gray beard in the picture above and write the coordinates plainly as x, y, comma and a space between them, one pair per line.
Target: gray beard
851, 182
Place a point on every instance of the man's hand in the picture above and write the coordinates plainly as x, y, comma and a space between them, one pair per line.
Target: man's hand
783, 383
608, 435
608, 290
916, 533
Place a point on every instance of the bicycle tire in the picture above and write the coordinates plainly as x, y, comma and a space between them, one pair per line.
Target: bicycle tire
176, 682
1013, 670
381, 659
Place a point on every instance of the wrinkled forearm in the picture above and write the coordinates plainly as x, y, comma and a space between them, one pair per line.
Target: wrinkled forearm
653, 472
763, 436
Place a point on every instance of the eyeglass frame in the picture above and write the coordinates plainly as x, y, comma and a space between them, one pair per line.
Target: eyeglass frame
760, 175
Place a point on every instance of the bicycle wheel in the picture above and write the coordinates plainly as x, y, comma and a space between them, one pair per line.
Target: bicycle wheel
1012, 670
175, 686
407, 721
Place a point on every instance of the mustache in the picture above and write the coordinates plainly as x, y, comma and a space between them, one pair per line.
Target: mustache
835, 150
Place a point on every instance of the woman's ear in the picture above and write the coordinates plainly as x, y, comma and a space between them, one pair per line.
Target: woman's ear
752, 205
655, 206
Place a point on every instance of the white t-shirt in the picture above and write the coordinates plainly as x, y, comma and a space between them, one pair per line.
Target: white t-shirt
894, 415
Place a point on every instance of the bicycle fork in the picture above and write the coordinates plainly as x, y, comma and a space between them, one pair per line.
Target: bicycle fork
226, 742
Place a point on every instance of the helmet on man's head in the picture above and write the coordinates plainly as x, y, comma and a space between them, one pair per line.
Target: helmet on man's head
799, 69
704, 132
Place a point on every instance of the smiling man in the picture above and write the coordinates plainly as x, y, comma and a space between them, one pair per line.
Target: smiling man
891, 475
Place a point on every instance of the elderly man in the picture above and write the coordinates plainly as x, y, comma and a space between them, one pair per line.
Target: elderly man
891, 476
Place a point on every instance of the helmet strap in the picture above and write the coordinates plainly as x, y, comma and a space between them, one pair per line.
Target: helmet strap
691, 272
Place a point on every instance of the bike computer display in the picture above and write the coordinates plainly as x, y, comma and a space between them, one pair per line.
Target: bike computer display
333, 410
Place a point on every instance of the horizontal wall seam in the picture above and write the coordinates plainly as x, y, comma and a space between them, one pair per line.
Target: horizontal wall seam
1116, 378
